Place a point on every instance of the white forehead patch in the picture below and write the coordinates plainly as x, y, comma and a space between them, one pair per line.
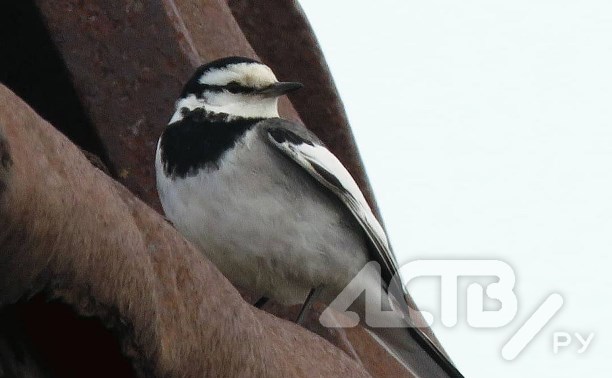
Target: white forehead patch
252, 75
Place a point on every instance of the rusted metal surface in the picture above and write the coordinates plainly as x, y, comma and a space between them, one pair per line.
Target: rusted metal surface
127, 65
355, 342
32, 67
75, 235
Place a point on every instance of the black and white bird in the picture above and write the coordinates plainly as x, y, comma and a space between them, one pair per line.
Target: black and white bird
270, 205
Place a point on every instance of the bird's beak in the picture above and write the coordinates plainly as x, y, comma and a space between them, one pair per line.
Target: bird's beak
279, 89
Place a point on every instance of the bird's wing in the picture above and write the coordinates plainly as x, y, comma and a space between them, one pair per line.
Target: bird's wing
308, 152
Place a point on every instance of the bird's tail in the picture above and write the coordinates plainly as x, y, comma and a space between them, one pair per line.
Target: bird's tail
408, 344
393, 328
385, 314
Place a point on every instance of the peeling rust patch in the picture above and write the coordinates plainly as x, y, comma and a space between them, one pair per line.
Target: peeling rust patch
5, 156
6, 162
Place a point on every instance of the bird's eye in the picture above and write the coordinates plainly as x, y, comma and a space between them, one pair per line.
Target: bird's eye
234, 87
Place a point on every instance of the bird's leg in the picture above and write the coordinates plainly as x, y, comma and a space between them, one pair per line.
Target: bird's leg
310, 300
261, 302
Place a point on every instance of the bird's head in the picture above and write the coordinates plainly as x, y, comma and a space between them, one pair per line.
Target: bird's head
237, 86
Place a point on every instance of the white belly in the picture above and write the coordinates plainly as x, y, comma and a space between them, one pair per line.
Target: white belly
267, 225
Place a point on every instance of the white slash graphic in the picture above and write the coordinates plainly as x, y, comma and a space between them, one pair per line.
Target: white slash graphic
532, 326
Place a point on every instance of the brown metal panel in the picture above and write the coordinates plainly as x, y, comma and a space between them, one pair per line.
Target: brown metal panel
70, 232
128, 63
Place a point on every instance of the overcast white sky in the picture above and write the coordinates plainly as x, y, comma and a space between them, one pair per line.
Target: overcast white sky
486, 130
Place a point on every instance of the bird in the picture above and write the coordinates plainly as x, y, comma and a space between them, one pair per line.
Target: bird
268, 203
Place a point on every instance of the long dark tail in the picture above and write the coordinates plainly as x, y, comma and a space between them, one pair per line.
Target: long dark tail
385, 314
408, 344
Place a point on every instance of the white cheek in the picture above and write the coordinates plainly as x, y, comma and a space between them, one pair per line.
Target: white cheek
267, 107
220, 98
